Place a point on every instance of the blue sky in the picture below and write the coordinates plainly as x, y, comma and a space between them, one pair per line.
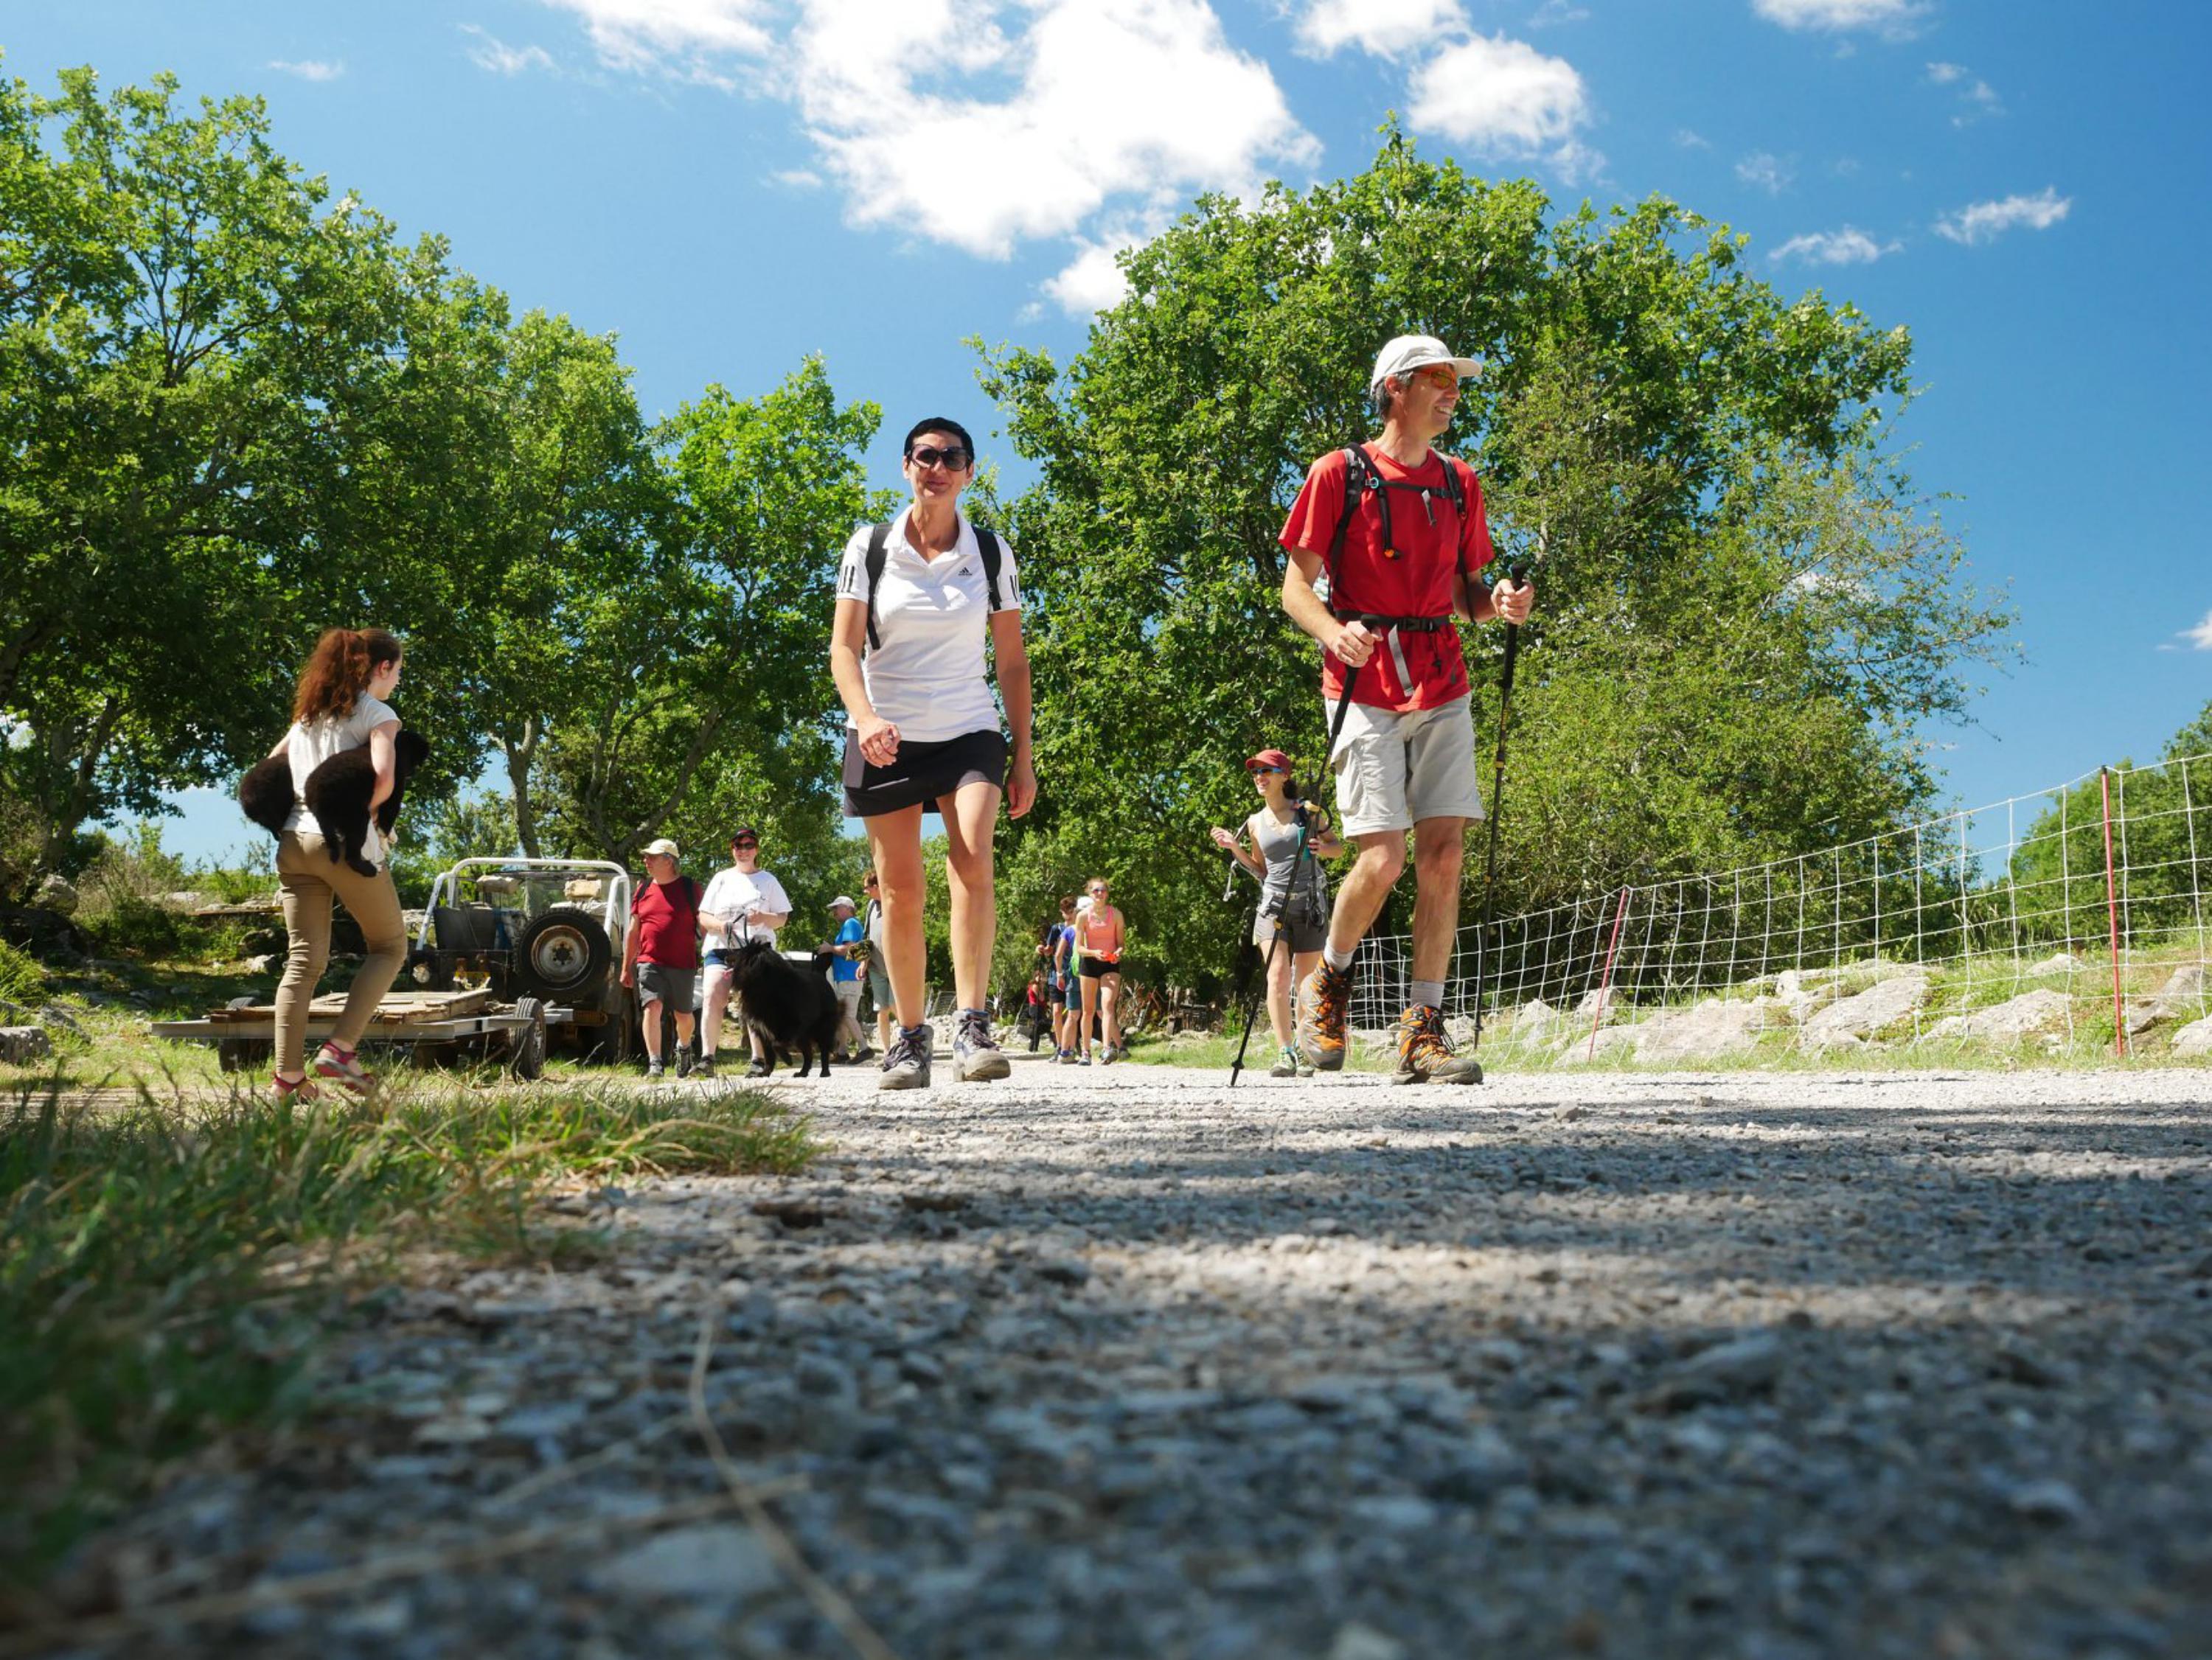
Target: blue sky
731, 183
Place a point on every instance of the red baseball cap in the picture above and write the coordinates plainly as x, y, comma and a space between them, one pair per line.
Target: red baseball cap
1274, 758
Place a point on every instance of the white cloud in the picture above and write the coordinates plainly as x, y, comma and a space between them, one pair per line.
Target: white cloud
986, 123
1976, 98
309, 68
1504, 98
490, 52
1770, 172
1986, 221
1894, 18
2200, 637
1385, 27
1848, 247
685, 38
797, 178
1553, 13
1685, 139
1091, 282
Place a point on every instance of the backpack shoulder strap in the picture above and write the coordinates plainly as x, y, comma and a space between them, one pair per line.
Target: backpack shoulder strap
988, 543
1359, 477
879, 550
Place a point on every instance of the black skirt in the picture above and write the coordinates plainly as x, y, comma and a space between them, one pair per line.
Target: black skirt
920, 773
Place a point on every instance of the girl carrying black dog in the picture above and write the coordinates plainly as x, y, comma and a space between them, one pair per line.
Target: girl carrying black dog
340, 705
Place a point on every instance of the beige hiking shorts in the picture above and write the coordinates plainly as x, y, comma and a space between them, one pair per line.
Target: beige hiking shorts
1395, 770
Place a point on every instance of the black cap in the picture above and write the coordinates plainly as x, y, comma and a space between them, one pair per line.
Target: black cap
744, 832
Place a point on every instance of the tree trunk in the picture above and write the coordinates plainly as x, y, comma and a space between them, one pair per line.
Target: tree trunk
520, 751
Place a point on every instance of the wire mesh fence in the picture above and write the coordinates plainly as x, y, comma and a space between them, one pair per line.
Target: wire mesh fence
2093, 890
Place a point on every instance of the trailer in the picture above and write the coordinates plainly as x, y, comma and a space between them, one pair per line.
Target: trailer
438, 1027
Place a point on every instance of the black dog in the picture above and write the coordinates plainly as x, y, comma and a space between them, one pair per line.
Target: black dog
786, 1007
265, 793
339, 790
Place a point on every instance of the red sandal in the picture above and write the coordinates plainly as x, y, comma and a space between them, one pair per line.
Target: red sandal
342, 1067
302, 1088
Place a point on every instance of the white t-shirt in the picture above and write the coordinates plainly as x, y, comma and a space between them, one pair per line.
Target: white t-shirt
733, 896
927, 677
307, 747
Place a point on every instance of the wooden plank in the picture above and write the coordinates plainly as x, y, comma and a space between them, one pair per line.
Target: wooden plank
396, 1006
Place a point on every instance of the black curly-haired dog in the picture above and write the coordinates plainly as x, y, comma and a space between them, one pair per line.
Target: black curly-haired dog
338, 792
265, 793
786, 1007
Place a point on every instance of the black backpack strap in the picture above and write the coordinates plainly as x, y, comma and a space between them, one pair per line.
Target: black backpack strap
1359, 477
989, 545
879, 539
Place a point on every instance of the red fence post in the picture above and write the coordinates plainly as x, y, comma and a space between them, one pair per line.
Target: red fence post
1619, 916
2113, 920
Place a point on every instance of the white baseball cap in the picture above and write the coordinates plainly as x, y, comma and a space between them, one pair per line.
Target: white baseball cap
845, 900
1416, 351
664, 846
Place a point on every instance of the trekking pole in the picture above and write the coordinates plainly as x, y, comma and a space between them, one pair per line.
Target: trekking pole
1515, 575
1304, 852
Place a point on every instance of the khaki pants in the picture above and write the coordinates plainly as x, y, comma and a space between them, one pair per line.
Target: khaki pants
310, 882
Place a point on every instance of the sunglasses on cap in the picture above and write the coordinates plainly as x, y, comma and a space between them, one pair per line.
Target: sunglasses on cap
956, 459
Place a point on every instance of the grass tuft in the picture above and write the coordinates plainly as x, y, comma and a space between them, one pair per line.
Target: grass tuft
167, 1267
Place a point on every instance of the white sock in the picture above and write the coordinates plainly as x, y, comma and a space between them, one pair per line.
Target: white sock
1335, 959
1427, 994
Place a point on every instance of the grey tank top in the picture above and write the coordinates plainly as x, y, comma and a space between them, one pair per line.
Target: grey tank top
1278, 844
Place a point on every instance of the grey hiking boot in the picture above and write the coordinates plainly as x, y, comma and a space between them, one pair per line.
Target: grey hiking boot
975, 1056
907, 1067
703, 1067
1424, 1054
1287, 1064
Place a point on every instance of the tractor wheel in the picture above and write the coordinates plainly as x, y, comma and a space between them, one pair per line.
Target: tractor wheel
525, 1054
561, 956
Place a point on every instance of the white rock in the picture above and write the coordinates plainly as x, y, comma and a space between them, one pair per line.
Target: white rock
720, 1560
1357, 1642
2194, 1038
2064, 963
1875, 1009
21, 1045
1713, 1028
55, 894
2026, 1016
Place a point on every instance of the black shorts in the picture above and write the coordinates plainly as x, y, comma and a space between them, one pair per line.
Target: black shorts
920, 774
1097, 968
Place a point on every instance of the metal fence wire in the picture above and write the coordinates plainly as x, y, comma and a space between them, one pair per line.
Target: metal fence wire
2096, 886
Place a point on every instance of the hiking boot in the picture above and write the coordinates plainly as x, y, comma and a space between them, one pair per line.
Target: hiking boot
761, 1067
1424, 1054
1324, 1007
684, 1062
704, 1067
975, 1056
1287, 1064
343, 1068
1064, 1057
653, 1071
907, 1067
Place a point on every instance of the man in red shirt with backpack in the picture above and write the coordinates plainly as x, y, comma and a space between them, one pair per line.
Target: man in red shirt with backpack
1398, 531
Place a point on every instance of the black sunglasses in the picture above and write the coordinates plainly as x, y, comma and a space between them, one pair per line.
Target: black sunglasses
742, 846
928, 455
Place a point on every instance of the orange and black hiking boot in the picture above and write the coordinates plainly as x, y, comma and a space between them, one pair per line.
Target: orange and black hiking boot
1424, 1054
1324, 1009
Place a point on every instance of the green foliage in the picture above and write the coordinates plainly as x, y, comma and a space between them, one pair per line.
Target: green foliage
165, 1277
1744, 611
2161, 848
22, 981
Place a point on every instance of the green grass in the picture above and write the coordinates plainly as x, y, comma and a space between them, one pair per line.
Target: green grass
168, 1269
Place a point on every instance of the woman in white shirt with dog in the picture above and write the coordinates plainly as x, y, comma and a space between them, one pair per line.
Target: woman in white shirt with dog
907, 650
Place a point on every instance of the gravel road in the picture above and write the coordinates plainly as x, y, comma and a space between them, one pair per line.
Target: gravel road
1117, 1362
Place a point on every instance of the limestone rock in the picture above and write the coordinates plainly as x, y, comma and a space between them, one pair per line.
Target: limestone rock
1881, 1006
2026, 1016
2065, 962
20, 1046
1713, 1028
1803, 993
719, 1561
56, 894
2194, 1038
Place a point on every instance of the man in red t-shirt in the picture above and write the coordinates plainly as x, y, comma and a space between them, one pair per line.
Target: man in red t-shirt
1401, 565
661, 953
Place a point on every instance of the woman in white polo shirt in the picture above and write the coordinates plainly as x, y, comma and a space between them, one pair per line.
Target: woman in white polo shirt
923, 733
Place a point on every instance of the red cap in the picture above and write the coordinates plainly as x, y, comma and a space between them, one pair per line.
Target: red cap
1274, 758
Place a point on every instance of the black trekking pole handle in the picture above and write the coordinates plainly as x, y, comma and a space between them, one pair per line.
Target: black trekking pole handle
1305, 851
1516, 574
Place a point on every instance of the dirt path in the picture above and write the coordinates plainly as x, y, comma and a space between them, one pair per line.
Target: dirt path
1113, 1362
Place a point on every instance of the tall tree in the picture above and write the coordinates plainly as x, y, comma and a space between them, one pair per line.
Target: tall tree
1745, 612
